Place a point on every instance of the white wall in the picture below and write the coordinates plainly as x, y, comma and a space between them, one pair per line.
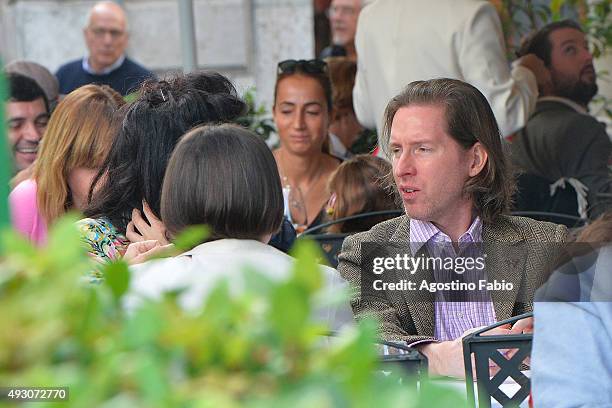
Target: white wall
241, 38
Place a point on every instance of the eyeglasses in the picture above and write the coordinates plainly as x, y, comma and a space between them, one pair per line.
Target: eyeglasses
313, 66
100, 32
335, 11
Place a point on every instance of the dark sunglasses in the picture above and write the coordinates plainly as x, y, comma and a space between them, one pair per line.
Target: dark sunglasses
313, 66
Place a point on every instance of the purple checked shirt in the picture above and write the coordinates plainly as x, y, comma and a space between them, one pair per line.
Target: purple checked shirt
453, 318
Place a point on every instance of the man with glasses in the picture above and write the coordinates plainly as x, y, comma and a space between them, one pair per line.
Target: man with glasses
343, 16
106, 37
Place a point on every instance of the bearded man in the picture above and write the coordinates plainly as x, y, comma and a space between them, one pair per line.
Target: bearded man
561, 140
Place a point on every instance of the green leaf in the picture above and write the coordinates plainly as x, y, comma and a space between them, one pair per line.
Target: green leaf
64, 249
191, 237
14, 244
152, 379
306, 269
117, 278
555, 8
144, 326
289, 310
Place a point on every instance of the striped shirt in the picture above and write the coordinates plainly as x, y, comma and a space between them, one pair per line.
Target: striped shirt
452, 315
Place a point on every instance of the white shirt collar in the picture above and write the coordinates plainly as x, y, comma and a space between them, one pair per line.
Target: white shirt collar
578, 108
87, 68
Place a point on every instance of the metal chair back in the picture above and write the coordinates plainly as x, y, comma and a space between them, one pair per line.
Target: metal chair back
485, 348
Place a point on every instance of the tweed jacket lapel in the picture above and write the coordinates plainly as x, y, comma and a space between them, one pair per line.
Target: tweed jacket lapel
506, 254
505, 260
420, 304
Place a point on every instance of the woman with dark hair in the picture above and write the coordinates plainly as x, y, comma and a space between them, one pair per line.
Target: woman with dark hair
225, 177
130, 180
360, 185
302, 111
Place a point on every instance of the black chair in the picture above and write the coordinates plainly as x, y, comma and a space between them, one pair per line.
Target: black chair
331, 244
322, 227
487, 347
533, 196
411, 363
570, 221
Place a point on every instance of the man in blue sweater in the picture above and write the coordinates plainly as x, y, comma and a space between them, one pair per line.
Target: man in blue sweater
106, 37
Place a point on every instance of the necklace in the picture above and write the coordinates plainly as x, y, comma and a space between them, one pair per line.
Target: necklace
295, 197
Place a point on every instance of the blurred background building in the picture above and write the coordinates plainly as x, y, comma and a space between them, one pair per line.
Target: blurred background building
244, 39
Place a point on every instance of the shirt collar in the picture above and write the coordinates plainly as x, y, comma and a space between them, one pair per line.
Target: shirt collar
422, 232
87, 68
578, 108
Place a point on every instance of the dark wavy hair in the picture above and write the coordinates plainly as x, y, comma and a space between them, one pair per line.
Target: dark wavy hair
469, 119
321, 77
225, 177
152, 126
24, 89
538, 43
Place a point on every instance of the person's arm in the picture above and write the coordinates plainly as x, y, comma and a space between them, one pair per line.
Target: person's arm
483, 62
362, 100
446, 358
377, 305
571, 365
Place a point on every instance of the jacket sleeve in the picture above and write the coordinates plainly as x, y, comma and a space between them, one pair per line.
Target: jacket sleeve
362, 100
374, 303
512, 93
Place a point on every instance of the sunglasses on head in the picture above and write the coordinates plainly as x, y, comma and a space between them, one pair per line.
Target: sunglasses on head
313, 66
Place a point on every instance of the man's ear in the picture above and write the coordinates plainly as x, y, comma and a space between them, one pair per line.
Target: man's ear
478, 159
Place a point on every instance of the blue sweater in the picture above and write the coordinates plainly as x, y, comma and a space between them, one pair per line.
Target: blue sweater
124, 79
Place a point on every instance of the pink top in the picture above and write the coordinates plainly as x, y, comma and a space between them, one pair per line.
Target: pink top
24, 213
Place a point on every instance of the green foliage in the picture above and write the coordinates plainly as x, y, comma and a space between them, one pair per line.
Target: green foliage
252, 347
5, 157
365, 143
257, 118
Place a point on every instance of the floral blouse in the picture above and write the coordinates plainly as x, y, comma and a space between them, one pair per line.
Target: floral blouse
102, 240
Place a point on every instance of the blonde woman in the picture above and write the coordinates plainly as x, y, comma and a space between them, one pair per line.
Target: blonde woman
75, 144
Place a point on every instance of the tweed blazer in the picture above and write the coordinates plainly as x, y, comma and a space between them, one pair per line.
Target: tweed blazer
514, 252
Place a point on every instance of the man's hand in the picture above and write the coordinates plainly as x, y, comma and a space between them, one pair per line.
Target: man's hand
446, 358
522, 326
146, 229
542, 74
139, 252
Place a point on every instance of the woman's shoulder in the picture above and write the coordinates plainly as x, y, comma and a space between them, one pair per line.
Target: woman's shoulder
25, 190
24, 212
102, 239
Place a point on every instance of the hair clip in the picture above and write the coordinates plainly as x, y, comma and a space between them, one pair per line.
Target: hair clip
161, 91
